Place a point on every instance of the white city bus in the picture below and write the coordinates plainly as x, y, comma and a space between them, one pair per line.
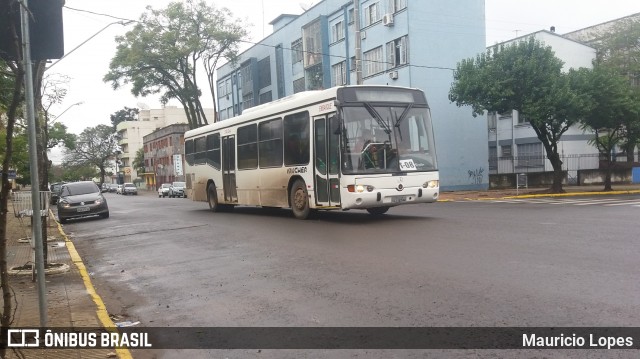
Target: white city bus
351, 147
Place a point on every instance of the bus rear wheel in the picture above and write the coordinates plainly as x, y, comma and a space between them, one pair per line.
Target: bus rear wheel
299, 198
377, 211
212, 198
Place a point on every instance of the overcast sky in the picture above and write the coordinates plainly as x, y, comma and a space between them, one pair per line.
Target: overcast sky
505, 19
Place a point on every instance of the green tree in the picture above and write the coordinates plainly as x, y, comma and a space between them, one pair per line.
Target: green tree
164, 50
527, 77
138, 161
619, 48
126, 114
95, 148
609, 103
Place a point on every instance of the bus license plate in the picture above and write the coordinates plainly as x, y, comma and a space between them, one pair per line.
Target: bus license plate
83, 209
398, 199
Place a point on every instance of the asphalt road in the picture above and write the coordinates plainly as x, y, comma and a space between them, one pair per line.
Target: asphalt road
564, 262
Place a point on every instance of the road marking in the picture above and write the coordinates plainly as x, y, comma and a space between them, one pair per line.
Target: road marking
101, 310
634, 203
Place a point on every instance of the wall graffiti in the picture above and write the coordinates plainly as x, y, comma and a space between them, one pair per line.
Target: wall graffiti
476, 175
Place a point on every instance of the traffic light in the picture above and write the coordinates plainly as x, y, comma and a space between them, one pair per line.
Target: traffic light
45, 27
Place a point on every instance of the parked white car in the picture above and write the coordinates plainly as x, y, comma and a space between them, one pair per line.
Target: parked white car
177, 190
130, 188
163, 191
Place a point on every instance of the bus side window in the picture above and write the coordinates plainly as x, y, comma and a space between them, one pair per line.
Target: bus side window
296, 134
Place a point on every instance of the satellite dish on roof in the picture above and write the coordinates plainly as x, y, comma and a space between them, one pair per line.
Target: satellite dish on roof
305, 6
142, 106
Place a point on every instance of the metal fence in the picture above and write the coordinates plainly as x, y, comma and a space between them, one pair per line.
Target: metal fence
529, 164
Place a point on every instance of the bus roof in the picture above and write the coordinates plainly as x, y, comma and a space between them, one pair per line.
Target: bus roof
284, 104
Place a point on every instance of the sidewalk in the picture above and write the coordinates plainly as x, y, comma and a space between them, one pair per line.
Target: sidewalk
70, 303
570, 191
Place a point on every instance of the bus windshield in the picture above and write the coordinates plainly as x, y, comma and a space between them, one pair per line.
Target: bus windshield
383, 139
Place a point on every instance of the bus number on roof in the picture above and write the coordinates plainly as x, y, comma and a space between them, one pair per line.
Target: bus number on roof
324, 107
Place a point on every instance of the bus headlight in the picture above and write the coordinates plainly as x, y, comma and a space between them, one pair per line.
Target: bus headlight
431, 184
360, 188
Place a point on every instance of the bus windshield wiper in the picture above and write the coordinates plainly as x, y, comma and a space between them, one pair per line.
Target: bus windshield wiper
378, 118
404, 114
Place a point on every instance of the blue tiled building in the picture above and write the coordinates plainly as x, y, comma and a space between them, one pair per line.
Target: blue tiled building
411, 43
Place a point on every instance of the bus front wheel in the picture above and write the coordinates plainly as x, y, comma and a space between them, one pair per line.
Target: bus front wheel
377, 211
299, 198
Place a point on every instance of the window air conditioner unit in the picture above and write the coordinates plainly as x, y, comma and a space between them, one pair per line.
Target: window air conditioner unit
393, 75
387, 20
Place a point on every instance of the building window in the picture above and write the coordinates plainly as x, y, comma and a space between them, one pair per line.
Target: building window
397, 5
505, 151
371, 14
246, 76
397, 52
247, 101
227, 86
352, 63
264, 72
339, 73
239, 81
221, 89
270, 145
493, 158
337, 31
373, 62
296, 51
350, 18
298, 85
265, 97
312, 44
492, 120
530, 155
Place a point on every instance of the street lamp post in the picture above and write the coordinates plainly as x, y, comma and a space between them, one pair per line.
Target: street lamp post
117, 153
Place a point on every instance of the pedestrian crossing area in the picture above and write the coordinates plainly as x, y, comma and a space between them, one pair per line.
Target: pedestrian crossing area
605, 202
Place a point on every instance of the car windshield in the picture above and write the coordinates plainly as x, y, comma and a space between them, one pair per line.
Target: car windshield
75, 189
166, 185
129, 185
178, 184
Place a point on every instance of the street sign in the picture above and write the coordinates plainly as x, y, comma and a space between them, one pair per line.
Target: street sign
177, 164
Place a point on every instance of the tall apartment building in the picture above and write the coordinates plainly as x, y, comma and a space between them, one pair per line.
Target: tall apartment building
410, 43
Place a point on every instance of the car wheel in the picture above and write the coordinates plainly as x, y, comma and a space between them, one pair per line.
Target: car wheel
299, 198
377, 211
62, 220
105, 215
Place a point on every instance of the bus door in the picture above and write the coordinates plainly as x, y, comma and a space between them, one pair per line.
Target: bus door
327, 161
229, 169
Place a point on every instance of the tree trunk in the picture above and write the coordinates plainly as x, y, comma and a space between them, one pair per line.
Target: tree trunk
7, 296
558, 176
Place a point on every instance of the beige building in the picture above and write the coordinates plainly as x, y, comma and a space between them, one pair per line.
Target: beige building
132, 133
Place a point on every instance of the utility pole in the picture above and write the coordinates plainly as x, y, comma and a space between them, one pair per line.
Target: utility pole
33, 166
356, 25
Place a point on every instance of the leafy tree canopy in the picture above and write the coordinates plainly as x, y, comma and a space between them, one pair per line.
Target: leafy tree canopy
162, 53
525, 76
126, 114
95, 148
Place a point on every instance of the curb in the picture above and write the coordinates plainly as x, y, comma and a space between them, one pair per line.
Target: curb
101, 309
542, 195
